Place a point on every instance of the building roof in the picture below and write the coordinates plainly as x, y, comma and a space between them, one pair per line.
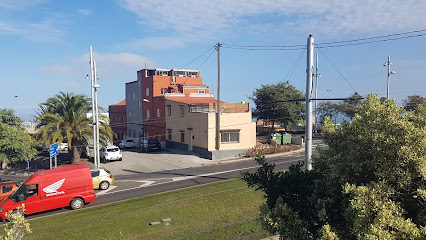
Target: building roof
120, 103
192, 100
193, 85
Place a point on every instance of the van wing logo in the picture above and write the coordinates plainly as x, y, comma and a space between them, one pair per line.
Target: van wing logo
54, 186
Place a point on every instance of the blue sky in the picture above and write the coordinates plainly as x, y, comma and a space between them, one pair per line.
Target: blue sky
45, 46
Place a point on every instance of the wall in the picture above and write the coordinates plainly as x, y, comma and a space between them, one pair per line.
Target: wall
242, 121
118, 118
133, 110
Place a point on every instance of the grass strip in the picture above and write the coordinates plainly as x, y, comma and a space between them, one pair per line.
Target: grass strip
223, 208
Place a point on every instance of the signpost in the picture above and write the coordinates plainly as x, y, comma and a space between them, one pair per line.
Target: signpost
53, 151
28, 166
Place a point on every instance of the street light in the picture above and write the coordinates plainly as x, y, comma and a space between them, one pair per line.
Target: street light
388, 63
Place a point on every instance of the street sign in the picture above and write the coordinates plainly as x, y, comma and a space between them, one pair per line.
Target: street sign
53, 150
29, 160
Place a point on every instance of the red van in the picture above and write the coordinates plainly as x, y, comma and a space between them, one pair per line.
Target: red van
54, 188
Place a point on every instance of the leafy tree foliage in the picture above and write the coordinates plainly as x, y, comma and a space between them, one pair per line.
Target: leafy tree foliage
411, 103
18, 227
65, 117
15, 142
346, 107
368, 183
269, 108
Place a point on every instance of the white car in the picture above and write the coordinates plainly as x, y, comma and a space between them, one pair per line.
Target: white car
129, 143
63, 146
109, 153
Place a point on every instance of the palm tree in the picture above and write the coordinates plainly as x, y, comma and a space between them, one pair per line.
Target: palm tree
65, 117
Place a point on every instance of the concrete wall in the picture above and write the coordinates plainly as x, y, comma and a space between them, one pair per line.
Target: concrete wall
134, 110
233, 121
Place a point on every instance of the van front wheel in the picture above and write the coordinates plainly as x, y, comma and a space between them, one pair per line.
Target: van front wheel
77, 203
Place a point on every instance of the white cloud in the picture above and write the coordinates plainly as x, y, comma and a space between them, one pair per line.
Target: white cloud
84, 12
155, 43
19, 4
57, 69
44, 31
109, 65
332, 17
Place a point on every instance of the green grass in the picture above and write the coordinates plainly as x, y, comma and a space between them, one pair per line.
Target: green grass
222, 210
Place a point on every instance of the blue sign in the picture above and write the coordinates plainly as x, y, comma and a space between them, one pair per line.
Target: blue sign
29, 160
53, 150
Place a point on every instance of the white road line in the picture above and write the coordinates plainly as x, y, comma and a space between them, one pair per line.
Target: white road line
106, 191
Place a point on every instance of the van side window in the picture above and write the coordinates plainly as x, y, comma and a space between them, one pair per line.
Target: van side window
32, 190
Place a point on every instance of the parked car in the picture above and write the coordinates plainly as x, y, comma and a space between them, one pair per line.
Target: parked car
101, 178
109, 153
63, 146
150, 145
129, 143
51, 189
7, 188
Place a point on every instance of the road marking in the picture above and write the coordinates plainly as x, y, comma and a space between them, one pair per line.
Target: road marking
151, 183
106, 191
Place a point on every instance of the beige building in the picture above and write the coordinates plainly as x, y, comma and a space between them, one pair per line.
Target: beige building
191, 126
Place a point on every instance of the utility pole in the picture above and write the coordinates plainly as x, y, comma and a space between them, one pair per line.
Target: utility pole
308, 126
317, 75
218, 100
92, 78
95, 87
388, 63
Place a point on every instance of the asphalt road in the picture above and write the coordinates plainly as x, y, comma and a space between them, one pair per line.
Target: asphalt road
138, 184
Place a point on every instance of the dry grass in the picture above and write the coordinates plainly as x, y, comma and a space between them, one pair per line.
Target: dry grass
265, 149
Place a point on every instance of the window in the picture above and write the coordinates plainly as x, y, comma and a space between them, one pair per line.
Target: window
147, 92
139, 102
182, 136
169, 110
133, 96
122, 119
147, 113
163, 91
182, 110
158, 112
169, 134
230, 136
201, 91
6, 189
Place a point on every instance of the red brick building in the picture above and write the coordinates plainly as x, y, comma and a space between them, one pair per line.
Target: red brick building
117, 118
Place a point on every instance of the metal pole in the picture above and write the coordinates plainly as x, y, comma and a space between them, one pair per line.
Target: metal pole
218, 99
56, 161
388, 63
316, 95
92, 78
96, 116
308, 127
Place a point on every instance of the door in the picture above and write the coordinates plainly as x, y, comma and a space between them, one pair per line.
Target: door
191, 140
53, 193
30, 197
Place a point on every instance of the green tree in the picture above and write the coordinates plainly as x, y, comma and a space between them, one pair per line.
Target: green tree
270, 105
368, 183
15, 142
346, 107
18, 227
65, 117
411, 103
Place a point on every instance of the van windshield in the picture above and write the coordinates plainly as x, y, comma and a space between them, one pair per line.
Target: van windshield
21, 190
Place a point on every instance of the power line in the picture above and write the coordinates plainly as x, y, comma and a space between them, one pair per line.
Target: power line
337, 69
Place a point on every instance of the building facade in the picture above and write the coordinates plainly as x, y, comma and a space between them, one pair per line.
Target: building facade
191, 126
118, 119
